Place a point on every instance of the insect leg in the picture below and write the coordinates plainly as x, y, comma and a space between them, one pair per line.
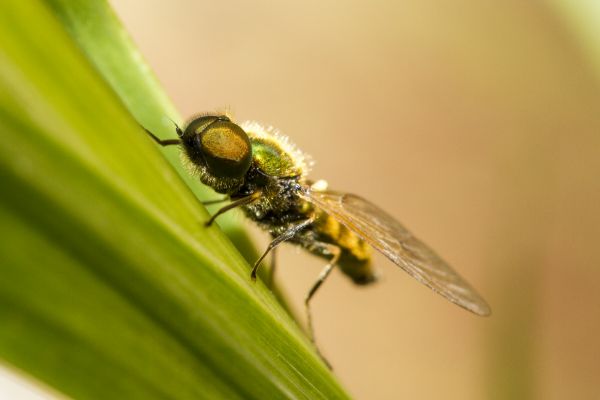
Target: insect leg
164, 142
273, 267
239, 202
335, 252
210, 202
287, 235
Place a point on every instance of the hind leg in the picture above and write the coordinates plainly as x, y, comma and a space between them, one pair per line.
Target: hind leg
273, 268
326, 249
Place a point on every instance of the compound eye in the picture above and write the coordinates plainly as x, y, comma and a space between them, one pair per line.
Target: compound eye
225, 148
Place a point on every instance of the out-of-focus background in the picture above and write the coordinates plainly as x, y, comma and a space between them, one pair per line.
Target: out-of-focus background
476, 124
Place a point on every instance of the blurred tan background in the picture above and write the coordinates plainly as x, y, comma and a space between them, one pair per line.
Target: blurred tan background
477, 124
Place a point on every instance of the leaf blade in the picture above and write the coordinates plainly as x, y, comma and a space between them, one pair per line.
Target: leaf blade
92, 195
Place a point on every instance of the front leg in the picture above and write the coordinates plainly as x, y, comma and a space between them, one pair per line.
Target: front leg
237, 203
287, 235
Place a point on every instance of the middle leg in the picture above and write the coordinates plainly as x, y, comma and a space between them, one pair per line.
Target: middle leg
287, 235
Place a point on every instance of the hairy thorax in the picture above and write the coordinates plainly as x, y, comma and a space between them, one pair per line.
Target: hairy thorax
279, 205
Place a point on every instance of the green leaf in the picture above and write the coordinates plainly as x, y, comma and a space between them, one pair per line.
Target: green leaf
109, 285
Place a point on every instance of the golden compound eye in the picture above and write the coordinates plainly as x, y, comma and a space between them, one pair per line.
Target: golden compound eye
224, 146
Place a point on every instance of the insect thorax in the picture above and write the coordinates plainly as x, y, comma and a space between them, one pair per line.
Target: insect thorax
278, 204
278, 170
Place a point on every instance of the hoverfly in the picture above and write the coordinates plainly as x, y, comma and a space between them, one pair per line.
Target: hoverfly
266, 176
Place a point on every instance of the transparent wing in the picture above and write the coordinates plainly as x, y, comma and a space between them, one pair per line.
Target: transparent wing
388, 236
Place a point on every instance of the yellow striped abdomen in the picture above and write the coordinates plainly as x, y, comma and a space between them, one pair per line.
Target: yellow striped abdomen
355, 259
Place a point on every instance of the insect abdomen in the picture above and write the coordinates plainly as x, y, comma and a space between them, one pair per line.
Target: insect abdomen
355, 260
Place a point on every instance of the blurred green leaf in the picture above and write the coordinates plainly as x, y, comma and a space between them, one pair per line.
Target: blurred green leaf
109, 285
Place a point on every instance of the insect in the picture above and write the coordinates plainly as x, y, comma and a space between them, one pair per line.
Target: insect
263, 174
